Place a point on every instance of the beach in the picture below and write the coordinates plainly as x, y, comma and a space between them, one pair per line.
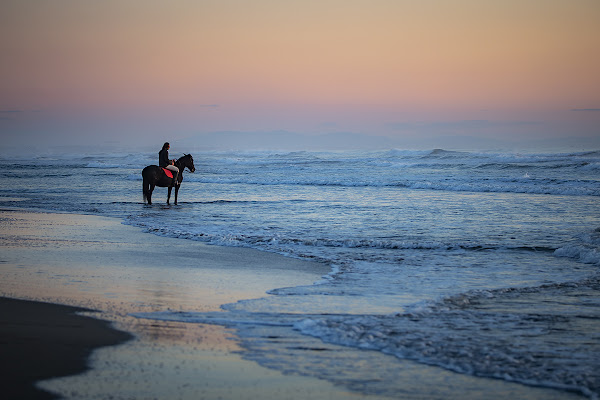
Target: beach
112, 270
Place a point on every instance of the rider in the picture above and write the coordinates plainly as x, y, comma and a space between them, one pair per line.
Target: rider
164, 162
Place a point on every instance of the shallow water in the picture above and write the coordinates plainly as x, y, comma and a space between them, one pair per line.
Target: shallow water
485, 264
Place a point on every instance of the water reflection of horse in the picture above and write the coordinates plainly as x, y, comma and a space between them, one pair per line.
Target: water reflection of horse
155, 176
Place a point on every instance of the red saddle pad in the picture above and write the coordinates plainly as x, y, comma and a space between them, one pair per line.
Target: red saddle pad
168, 173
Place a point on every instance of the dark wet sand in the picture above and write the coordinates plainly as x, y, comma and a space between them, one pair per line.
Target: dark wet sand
41, 340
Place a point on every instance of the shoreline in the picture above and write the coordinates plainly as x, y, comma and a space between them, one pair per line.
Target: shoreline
98, 263
78, 259
80, 263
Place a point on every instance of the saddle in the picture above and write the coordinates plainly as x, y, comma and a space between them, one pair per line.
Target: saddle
168, 173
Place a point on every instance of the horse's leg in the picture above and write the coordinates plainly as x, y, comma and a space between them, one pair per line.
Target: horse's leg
169, 194
176, 192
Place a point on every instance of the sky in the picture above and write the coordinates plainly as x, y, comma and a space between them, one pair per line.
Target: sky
405, 73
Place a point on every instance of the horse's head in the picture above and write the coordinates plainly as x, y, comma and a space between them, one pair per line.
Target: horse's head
187, 161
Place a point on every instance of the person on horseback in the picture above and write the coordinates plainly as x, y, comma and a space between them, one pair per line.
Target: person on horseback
164, 162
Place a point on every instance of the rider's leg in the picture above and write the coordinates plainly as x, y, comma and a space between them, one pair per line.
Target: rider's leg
176, 172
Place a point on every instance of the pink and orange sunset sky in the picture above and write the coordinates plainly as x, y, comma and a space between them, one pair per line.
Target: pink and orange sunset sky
132, 71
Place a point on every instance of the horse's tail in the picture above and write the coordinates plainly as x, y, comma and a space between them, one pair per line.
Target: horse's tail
145, 187
148, 182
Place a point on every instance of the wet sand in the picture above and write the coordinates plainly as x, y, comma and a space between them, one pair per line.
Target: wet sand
100, 264
41, 341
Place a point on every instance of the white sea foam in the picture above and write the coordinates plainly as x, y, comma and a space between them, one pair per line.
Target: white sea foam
581, 253
539, 350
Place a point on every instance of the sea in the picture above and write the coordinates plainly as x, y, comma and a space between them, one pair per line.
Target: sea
482, 263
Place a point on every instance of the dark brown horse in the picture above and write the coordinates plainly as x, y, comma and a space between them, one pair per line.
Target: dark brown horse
155, 176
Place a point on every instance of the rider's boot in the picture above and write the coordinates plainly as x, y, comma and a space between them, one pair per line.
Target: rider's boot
175, 181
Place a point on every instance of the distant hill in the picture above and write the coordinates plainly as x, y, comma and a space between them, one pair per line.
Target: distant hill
284, 140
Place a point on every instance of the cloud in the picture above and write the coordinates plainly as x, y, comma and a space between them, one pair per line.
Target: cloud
586, 109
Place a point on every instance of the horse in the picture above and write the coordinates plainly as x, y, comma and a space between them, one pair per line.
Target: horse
153, 175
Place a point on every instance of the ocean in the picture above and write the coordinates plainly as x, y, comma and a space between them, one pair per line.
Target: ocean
481, 263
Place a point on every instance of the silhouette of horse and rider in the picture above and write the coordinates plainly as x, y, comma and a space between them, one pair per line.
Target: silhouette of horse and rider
169, 173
